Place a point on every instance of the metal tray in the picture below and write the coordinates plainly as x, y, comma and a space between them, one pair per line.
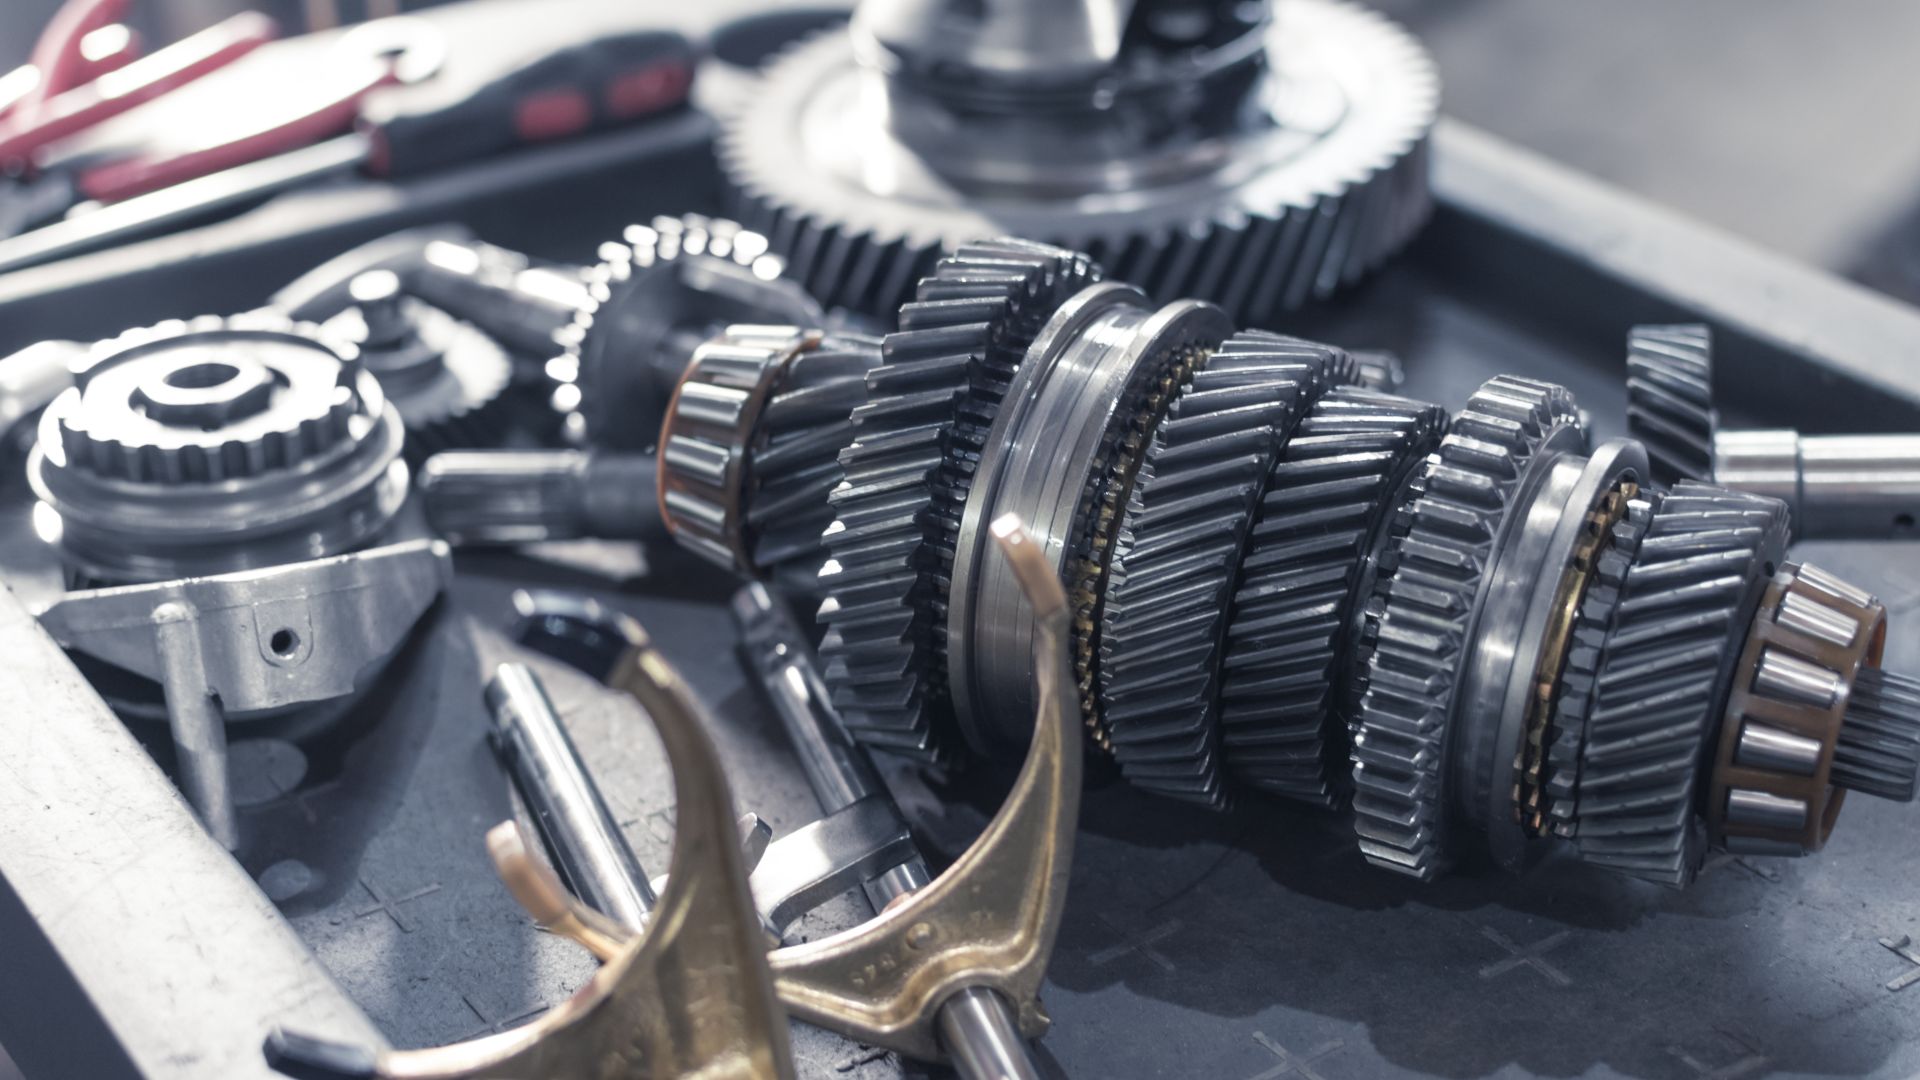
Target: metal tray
1253, 944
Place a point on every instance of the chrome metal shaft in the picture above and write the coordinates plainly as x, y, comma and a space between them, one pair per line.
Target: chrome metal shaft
1838, 486
524, 496
977, 1026
199, 727
585, 841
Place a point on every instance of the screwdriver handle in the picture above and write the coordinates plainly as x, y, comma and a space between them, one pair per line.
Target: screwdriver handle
605, 83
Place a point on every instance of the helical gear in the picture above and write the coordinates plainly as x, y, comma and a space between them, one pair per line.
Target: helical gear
1670, 399
1512, 636
749, 451
1293, 614
200, 447
1326, 179
915, 443
796, 451
1179, 551
1663, 677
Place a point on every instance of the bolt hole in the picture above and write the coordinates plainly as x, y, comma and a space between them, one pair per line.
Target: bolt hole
1903, 522
201, 376
283, 642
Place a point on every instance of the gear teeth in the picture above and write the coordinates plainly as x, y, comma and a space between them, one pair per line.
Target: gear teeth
476, 424
1257, 249
1879, 748
314, 419
843, 266
1593, 623
1326, 496
1663, 676
1178, 552
795, 459
916, 442
1253, 266
1670, 399
621, 388
1426, 597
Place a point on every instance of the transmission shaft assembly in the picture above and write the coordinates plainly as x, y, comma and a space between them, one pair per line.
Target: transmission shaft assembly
1482, 635
1477, 632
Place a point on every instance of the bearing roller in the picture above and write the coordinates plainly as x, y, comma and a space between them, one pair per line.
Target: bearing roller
749, 451
1810, 716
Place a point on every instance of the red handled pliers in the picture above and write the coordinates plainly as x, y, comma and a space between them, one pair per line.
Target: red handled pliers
70, 91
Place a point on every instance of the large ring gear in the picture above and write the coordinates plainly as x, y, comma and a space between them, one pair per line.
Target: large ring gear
202, 447
1256, 156
1485, 633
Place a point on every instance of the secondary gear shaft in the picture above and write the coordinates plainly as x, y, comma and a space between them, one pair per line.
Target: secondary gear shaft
619, 332
1253, 155
193, 448
1837, 486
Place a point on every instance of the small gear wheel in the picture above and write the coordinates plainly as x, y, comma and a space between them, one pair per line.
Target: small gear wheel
653, 298
200, 447
1255, 162
750, 450
929, 406
447, 379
